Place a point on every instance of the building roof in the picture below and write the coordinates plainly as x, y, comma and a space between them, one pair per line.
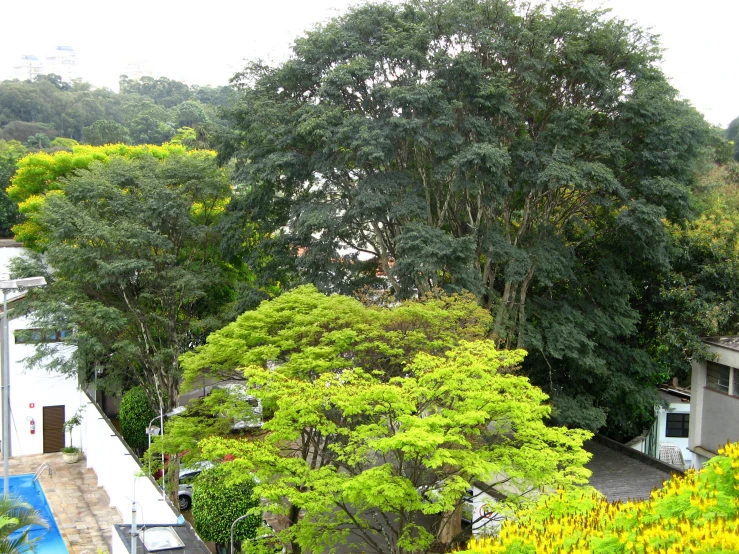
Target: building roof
621, 473
729, 342
185, 532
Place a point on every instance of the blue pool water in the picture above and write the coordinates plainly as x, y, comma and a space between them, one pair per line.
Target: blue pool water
51, 541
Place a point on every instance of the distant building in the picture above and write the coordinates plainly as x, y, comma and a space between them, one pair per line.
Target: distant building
27, 67
61, 61
715, 399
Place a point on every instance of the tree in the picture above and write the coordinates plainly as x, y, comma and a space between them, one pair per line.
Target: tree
696, 297
515, 153
42, 172
20, 131
190, 114
136, 272
309, 333
10, 153
379, 415
38, 141
694, 513
147, 130
365, 458
105, 132
216, 504
135, 415
16, 519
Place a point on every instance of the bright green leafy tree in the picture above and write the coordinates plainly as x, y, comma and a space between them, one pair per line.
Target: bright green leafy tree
137, 269
380, 415
515, 152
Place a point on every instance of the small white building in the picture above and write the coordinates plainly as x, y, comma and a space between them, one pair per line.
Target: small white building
670, 429
40, 401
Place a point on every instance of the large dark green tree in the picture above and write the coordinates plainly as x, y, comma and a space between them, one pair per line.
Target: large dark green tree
10, 152
137, 273
526, 154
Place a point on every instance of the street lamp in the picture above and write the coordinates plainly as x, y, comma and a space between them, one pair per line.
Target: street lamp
152, 430
8, 285
178, 410
232, 530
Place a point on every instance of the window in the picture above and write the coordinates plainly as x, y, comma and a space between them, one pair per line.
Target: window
36, 336
677, 425
718, 377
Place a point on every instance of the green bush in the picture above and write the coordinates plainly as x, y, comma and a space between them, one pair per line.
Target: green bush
217, 503
135, 414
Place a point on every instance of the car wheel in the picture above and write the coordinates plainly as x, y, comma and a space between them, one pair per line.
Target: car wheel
185, 502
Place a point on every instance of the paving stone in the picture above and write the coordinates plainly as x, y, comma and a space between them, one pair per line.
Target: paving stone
82, 511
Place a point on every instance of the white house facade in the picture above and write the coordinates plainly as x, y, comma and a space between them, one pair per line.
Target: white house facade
40, 402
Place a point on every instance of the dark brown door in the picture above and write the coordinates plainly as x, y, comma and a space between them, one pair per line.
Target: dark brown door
53, 428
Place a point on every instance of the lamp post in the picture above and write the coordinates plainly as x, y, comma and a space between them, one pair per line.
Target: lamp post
8, 285
151, 430
232, 531
178, 410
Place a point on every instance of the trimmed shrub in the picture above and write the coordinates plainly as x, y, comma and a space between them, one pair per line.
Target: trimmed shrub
218, 502
135, 414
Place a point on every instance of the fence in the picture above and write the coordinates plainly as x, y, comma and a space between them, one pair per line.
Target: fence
119, 470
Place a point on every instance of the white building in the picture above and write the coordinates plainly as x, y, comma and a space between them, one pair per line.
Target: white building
62, 61
40, 402
670, 430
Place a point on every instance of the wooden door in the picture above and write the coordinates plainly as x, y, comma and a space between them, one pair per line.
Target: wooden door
53, 428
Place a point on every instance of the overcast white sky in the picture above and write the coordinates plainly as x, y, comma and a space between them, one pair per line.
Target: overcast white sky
206, 42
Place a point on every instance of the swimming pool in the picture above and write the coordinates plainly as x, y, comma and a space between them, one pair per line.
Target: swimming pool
28, 490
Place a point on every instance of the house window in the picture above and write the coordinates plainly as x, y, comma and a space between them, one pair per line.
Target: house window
677, 425
36, 336
718, 377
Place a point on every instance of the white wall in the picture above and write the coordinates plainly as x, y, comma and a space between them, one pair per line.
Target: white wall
682, 442
119, 473
31, 390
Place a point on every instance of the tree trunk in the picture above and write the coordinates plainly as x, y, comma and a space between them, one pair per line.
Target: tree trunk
450, 527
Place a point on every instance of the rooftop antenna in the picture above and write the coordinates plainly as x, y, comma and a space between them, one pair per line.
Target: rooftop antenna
134, 532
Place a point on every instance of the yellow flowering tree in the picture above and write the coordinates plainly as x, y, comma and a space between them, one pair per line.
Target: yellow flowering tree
696, 513
41, 173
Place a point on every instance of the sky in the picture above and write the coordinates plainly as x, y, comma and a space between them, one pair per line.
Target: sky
205, 43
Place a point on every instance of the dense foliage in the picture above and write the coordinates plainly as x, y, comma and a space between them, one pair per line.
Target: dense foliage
529, 156
10, 153
137, 270
135, 413
695, 513
146, 111
216, 503
380, 416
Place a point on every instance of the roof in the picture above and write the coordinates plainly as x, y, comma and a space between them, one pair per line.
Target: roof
621, 473
729, 342
191, 541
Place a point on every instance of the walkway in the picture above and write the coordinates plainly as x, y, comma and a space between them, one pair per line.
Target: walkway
81, 510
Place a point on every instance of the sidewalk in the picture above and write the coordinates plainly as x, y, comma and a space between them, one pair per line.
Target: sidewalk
81, 509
